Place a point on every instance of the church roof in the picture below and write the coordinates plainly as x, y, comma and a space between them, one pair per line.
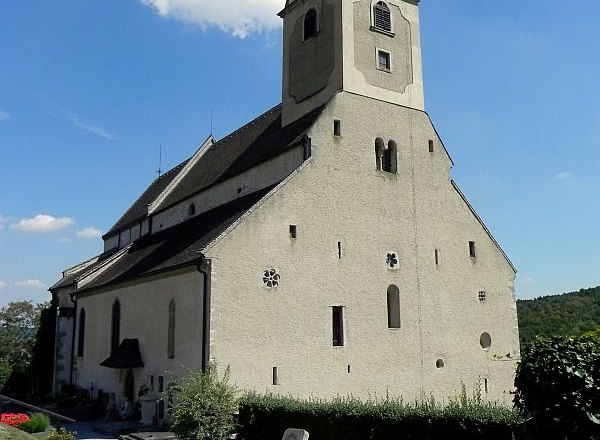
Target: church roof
252, 144
175, 247
139, 209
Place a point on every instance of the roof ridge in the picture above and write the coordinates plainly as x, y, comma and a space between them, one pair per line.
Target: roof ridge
163, 176
249, 124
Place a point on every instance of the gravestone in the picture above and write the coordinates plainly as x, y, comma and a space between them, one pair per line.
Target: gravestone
295, 434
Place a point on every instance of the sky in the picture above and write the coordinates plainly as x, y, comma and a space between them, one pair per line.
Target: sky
91, 91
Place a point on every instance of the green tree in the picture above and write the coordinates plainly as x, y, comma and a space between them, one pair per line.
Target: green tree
18, 326
557, 385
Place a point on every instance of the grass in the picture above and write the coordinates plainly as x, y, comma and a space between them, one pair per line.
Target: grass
10, 433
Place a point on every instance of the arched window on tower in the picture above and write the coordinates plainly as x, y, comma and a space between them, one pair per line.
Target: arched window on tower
391, 161
191, 210
380, 154
81, 333
386, 159
171, 331
310, 24
382, 18
115, 334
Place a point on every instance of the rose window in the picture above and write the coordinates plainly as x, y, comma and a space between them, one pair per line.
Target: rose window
271, 278
391, 260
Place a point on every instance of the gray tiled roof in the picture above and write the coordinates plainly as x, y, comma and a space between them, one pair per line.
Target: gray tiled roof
139, 209
256, 142
177, 246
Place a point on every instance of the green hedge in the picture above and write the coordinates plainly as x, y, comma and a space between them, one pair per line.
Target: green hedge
266, 417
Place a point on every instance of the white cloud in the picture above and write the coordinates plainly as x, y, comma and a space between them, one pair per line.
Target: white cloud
237, 17
564, 175
3, 221
42, 223
3, 285
4, 116
98, 131
89, 233
30, 284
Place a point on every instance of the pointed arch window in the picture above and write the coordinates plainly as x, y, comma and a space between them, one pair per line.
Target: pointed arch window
81, 334
310, 24
115, 334
171, 331
382, 18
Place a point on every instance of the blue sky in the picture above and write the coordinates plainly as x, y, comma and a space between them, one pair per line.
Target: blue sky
90, 90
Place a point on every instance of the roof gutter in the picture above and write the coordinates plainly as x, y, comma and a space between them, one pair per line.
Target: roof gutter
204, 266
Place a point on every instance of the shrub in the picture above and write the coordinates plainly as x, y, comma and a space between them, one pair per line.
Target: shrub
61, 434
37, 423
204, 405
557, 384
265, 417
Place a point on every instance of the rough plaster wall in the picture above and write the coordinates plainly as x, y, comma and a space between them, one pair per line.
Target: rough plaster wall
144, 315
257, 178
340, 196
367, 42
314, 58
360, 74
312, 70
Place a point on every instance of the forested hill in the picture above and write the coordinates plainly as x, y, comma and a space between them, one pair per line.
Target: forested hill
567, 314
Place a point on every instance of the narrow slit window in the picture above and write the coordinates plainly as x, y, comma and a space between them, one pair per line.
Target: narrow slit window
192, 210
337, 127
338, 325
348, 368
472, 252
339, 250
393, 306
171, 331
384, 60
293, 231
486, 386
431, 146
275, 376
437, 257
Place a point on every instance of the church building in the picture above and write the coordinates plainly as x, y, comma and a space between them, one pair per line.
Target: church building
322, 249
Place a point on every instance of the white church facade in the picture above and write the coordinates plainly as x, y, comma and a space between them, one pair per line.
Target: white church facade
320, 250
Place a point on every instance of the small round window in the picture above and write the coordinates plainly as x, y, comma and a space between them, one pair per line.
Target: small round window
485, 340
439, 363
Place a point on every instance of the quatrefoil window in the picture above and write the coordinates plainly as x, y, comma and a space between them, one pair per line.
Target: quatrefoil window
392, 260
271, 278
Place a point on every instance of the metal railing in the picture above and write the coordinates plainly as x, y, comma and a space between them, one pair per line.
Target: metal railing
37, 409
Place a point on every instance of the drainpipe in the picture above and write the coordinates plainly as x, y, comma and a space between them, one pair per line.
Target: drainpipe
203, 265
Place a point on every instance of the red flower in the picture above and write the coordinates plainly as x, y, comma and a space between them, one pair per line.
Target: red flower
13, 419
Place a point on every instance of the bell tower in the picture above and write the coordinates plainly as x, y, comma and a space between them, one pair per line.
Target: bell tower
366, 47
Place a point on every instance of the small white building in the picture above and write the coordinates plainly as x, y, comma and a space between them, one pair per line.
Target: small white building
320, 250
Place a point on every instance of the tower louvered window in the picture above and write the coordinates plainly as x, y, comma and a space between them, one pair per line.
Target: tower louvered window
381, 17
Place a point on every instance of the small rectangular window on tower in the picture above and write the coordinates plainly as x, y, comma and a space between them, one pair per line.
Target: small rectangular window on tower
338, 325
337, 127
275, 376
293, 231
472, 252
430, 146
437, 257
384, 61
339, 250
